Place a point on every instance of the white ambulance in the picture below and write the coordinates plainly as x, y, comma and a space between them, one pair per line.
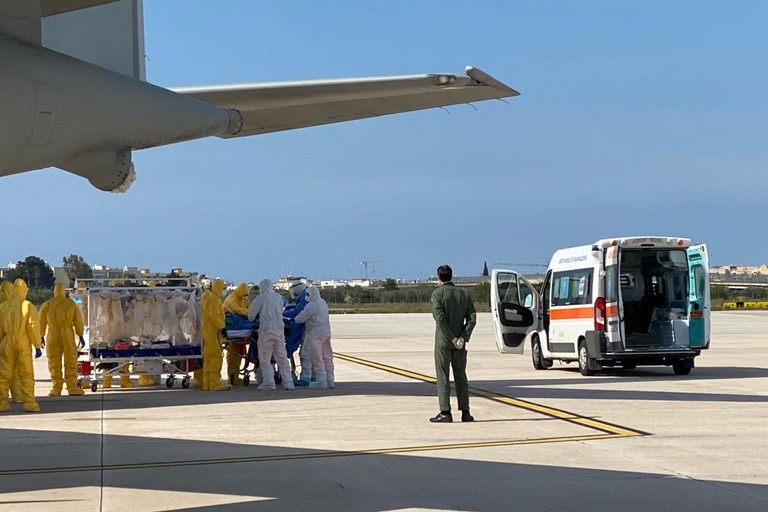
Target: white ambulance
618, 302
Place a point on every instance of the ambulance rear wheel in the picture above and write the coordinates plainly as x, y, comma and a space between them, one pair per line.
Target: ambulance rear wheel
584, 359
537, 357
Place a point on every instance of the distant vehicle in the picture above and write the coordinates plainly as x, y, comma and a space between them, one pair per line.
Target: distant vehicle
624, 301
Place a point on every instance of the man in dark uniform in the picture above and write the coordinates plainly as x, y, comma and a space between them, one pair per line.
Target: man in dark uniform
455, 318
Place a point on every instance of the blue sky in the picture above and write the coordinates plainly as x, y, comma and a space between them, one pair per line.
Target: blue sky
636, 117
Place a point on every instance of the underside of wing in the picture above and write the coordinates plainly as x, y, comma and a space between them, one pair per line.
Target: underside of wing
108, 34
272, 107
51, 7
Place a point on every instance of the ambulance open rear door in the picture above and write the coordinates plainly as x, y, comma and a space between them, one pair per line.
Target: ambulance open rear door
698, 297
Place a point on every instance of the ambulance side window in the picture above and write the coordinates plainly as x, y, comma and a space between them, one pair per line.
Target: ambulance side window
699, 280
507, 288
572, 287
526, 295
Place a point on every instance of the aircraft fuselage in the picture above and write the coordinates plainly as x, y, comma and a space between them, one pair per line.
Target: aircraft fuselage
61, 111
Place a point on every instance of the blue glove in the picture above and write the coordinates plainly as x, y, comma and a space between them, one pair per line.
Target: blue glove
81, 343
38, 353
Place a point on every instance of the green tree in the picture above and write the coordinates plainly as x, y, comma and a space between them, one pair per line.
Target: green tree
389, 285
35, 272
39, 295
76, 268
482, 293
719, 292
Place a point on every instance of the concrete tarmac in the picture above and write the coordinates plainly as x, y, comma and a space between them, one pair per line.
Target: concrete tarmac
550, 440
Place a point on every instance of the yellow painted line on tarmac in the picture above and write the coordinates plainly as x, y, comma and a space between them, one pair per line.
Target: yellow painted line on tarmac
607, 431
602, 426
307, 455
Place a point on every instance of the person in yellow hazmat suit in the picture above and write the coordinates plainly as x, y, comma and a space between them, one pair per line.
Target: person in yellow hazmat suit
6, 293
63, 321
18, 331
213, 333
236, 302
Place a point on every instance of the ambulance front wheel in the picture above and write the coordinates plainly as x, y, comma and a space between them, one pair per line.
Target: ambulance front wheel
584, 359
537, 357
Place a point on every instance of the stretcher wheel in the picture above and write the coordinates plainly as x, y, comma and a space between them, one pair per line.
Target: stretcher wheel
94, 386
185, 382
246, 379
169, 382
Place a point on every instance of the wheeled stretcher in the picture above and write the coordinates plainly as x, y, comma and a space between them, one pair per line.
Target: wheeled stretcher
250, 337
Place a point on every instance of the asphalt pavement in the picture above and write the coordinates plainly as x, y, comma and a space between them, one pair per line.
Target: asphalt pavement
549, 440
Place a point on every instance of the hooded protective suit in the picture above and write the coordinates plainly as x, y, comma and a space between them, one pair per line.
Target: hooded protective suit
213, 324
18, 331
236, 302
296, 336
318, 338
268, 307
6, 293
62, 318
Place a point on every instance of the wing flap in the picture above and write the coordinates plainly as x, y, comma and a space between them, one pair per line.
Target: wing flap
273, 107
51, 7
109, 35
21, 19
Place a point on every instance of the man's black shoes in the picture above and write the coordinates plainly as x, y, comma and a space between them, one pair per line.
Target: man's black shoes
442, 417
446, 417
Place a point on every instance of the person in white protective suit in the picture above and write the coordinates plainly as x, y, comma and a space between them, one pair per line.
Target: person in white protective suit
268, 307
298, 292
318, 338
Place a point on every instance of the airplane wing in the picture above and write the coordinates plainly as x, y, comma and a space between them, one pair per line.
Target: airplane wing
108, 33
272, 107
51, 7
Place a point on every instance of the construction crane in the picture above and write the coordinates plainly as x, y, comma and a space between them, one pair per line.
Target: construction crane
365, 265
518, 265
